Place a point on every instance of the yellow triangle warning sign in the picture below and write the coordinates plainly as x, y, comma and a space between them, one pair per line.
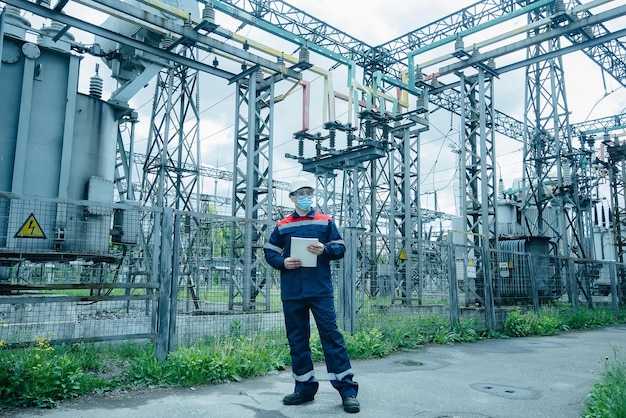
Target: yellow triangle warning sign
403, 255
31, 229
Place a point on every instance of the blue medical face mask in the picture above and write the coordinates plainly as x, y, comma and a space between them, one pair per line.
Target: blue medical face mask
305, 202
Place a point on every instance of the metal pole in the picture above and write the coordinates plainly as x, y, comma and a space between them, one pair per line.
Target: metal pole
454, 292
347, 291
165, 286
533, 282
172, 341
614, 295
572, 283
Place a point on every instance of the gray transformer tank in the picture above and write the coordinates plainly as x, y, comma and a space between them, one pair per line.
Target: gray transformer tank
55, 145
523, 261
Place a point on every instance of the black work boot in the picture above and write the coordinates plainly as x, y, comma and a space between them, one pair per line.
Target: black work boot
351, 405
297, 399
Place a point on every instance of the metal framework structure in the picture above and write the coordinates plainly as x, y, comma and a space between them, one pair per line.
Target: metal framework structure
405, 208
478, 156
616, 167
546, 131
381, 168
252, 189
547, 141
390, 57
172, 165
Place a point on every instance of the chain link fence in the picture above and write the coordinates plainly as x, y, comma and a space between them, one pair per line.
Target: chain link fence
79, 271
65, 274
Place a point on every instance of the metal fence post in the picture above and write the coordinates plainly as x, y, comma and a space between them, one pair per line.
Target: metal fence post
571, 275
533, 282
152, 308
614, 295
490, 309
347, 284
454, 291
172, 341
165, 285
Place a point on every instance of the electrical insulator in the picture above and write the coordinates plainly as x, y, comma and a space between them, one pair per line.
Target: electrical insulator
96, 86
167, 42
559, 6
208, 13
458, 44
567, 174
418, 74
12, 11
303, 55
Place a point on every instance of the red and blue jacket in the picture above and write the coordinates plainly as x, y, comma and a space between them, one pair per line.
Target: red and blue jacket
305, 282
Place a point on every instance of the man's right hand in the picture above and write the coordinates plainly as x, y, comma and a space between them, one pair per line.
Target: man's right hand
292, 263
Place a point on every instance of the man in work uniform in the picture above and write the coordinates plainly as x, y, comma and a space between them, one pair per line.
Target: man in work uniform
310, 289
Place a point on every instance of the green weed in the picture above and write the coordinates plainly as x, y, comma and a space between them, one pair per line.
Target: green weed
552, 320
42, 375
39, 376
607, 399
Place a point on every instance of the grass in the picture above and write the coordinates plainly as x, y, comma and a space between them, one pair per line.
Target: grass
43, 375
608, 397
553, 319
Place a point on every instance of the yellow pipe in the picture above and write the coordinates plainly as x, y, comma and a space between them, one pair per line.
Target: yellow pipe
274, 52
517, 31
164, 7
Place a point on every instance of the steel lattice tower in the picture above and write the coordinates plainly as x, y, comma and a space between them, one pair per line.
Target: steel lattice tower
405, 179
172, 165
252, 190
557, 203
478, 160
171, 171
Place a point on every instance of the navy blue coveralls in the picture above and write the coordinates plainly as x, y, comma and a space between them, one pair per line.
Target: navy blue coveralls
310, 289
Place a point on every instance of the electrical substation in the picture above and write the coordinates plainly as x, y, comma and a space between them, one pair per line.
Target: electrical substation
116, 224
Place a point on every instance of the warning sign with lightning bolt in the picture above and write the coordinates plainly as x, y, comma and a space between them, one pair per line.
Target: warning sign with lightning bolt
31, 229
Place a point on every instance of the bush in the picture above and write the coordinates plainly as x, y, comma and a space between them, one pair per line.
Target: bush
518, 324
588, 318
410, 332
368, 344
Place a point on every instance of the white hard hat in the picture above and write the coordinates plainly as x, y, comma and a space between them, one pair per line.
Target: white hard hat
298, 184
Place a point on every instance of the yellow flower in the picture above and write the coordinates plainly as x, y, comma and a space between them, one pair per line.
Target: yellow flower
37, 356
1, 343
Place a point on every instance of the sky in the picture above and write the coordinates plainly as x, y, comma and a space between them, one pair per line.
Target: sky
591, 94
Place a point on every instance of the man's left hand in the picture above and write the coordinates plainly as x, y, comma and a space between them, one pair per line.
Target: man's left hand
316, 248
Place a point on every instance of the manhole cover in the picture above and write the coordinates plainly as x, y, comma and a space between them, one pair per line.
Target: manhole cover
451, 415
409, 363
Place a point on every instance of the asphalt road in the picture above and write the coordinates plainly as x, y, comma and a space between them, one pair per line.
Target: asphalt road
518, 377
